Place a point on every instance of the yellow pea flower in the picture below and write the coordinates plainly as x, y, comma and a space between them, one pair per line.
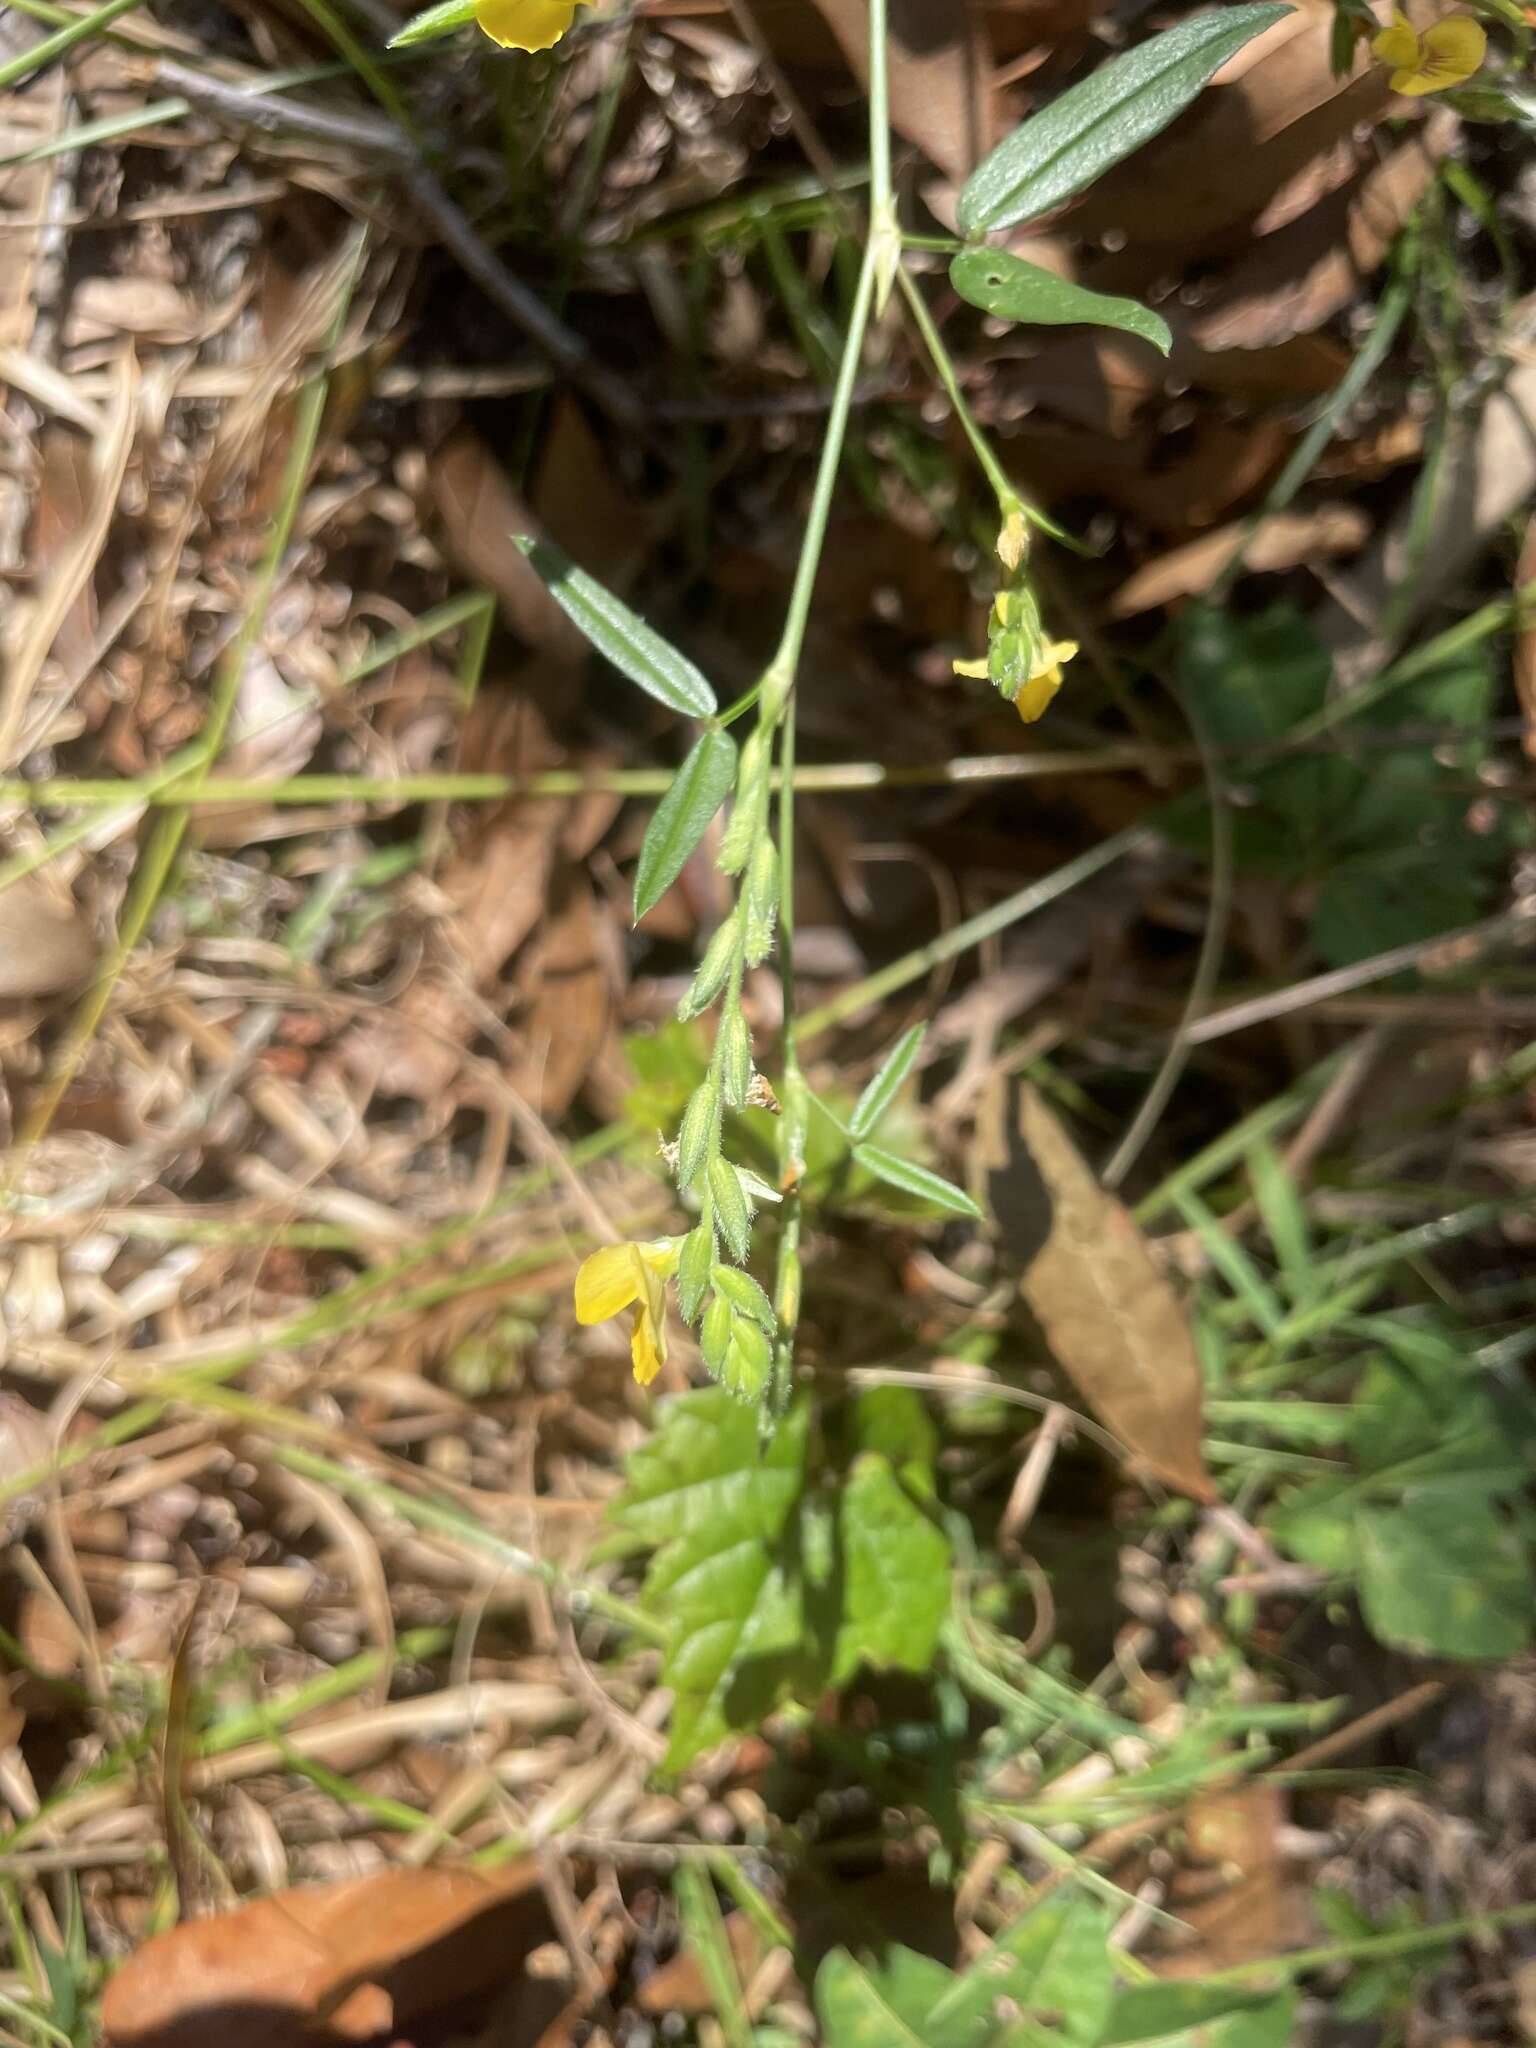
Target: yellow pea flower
1044, 679
526, 24
1445, 54
619, 1275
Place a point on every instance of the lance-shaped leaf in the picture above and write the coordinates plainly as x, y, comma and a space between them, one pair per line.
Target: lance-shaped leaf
881, 1091
1109, 115
634, 648
1012, 289
913, 1179
682, 817
433, 21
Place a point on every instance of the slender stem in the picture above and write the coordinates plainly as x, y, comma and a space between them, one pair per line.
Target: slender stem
778, 702
943, 364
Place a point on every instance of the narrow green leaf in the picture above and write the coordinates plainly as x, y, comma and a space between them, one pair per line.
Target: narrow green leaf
714, 970
433, 21
715, 1335
635, 649
745, 1373
1109, 115
1015, 290
682, 817
698, 1255
698, 1140
735, 1054
730, 1205
882, 1089
915, 1180
743, 1293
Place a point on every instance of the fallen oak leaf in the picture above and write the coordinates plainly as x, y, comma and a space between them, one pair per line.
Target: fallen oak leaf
326, 1964
1113, 1322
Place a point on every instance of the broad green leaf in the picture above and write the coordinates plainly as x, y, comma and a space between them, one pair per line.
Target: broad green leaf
682, 817
881, 1091
1012, 289
1199, 2016
855, 2012
895, 1574
1443, 1574
895, 1422
1109, 115
433, 21
915, 1180
1053, 1962
715, 1503
635, 649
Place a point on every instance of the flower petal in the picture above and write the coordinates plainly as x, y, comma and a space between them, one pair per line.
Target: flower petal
525, 24
608, 1281
647, 1345
1454, 48
1397, 45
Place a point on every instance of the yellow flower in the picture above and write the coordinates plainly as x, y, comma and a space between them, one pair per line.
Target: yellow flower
621, 1274
1044, 679
1446, 54
526, 24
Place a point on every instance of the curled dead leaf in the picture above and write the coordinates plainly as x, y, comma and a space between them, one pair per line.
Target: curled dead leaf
1285, 540
319, 1965
1112, 1320
46, 945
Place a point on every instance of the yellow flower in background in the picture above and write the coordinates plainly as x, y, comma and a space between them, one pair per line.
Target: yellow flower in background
526, 24
1444, 55
619, 1275
1044, 679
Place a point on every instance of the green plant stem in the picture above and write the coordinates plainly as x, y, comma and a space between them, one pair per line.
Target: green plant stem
76, 30
942, 362
777, 707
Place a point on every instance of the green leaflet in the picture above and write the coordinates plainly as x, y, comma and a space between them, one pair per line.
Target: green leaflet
1095, 124
1012, 289
635, 649
915, 1180
881, 1091
682, 817
433, 21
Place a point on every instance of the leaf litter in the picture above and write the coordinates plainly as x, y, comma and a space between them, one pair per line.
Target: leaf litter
377, 1062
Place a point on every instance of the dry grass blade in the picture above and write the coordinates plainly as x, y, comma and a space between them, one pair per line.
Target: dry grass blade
1114, 1323
36, 626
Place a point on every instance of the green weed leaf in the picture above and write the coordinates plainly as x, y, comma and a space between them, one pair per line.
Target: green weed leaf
730, 1205
895, 1566
716, 1504
635, 649
682, 817
1012, 289
1200, 2016
915, 1180
1095, 124
433, 22
1443, 1574
882, 1090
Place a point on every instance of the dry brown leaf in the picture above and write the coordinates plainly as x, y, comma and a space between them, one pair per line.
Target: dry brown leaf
571, 976
1525, 644
324, 1964
1259, 1907
480, 512
1302, 275
46, 943
1113, 1322
940, 92
1282, 541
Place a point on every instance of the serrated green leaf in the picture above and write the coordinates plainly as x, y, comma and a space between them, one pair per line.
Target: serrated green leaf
1443, 1574
883, 1087
895, 1571
682, 817
1011, 289
915, 1180
1092, 126
432, 22
716, 1503
635, 649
